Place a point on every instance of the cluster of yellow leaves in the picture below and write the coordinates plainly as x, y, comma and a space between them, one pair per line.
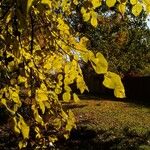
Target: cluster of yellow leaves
89, 13
147, 5
137, 7
20, 126
62, 26
113, 81
60, 64
73, 73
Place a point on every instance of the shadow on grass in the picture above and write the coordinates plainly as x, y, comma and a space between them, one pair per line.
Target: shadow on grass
83, 138
67, 106
133, 101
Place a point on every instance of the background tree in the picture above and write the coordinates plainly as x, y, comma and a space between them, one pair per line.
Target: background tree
123, 39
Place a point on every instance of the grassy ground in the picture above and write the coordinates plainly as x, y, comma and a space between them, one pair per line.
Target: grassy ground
107, 124
102, 124
106, 114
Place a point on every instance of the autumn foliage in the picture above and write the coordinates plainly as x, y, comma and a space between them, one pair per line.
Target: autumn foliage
39, 57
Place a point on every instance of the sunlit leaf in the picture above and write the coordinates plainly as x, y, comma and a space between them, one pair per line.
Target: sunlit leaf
16, 129
148, 8
37, 130
41, 95
94, 19
122, 8
83, 10
96, 3
22, 79
113, 81
24, 127
99, 64
22, 144
147, 2
38, 118
75, 2
133, 2
81, 84
3, 101
60, 77
29, 4
76, 98
57, 123
70, 121
110, 3
66, 97
42, 106
137, 9
86, 16
48, 2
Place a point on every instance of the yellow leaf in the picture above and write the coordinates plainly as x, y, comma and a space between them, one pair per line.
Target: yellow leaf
113, 81
24, 127
66, 96
66, 136
29, 4
147, 2
37, 117
16, 129
86, 16
43, 87
133, 2
67, 88
76, 98
31, 64
96, 3
100, 64
47, 104
41, 95
13, 81
60, 83
22, 144
9, 17
64, 115
108, 82
75, 2
90, 55
48, 2
81, 84
67, 68
148, 8
42, 106
57, 123
47, 65
60, 77
110, 3
58, 90
22, 79
83, 10
37, 130
84, 57
15, 97
119, 92
3, 101
94, 19
71, 121
122, 8
136, 9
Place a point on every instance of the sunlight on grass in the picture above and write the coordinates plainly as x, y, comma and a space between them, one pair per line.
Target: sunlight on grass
112, 114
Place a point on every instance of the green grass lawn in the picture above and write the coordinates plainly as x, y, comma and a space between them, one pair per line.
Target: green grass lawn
105, 114
119, 124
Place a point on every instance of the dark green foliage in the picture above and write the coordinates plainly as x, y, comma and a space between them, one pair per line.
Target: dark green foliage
124, 40
125, 43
